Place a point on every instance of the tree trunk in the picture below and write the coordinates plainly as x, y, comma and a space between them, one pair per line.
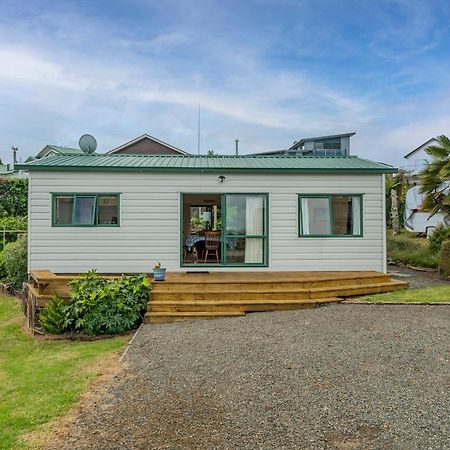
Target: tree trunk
394, 212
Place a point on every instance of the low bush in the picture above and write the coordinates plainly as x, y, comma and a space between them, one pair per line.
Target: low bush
52, 317
102, 306
444, 260
406, 248
440, 234
14, 261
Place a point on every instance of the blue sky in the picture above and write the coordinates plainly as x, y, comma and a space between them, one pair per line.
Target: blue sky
266, 71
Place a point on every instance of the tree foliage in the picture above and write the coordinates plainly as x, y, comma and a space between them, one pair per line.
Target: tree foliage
13, 197
435, 178
9, 224
399, 183
15, 261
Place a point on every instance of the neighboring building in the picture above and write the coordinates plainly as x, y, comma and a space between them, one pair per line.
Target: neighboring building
418, 158
147, 145
416, 219
51, 150
122, 213
5, 170
8, 170
332, 145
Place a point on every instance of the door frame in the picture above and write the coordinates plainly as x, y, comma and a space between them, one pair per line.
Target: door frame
222, 263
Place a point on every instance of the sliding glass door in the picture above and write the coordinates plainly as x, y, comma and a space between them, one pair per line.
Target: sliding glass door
242, 230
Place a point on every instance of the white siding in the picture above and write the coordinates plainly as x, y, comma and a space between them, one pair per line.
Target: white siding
150, 221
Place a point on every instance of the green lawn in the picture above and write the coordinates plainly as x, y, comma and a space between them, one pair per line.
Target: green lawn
433, 294
40, 379
407, 248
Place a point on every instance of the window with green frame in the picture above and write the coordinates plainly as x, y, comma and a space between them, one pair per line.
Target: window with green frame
330, 215
85, 210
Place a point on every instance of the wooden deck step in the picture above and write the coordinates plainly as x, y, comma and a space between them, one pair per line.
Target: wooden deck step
170, 316
268, 284
237, 305
348, 290
351, 291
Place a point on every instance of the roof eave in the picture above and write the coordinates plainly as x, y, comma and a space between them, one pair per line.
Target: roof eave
203, 169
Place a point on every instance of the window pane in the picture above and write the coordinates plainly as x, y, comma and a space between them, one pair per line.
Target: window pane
315, 213
244, 250
108, 212
245, 214
84, 211
342, 215
346, 215
63, 210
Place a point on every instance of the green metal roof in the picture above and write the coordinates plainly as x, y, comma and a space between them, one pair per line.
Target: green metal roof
205, 164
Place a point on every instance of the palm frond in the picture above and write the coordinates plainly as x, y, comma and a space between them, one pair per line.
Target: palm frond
437, 152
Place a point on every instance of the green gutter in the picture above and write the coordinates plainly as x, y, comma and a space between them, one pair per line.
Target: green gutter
201, 169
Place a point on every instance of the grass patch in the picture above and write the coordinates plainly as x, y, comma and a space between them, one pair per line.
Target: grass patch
40, 379
432, 294
407, 248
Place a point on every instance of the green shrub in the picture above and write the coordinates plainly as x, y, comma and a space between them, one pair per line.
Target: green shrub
15, 261
444, 260
12, 223
13, 197
102, 306
440, 234
52, 317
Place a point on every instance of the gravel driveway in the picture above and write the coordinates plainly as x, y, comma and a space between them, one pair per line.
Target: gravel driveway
337, 377
417, 278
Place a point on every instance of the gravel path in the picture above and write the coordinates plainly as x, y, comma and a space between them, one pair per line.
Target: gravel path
338, 377
416, 278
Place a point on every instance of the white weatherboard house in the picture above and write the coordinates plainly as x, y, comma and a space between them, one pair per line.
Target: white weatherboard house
121, 214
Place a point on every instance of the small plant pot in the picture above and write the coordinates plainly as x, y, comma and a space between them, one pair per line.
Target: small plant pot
159, 274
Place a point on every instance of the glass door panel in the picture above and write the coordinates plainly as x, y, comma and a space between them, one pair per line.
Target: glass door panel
244, 250
245, 232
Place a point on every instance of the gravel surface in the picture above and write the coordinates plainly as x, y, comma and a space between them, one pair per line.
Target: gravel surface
416, 278
337, 377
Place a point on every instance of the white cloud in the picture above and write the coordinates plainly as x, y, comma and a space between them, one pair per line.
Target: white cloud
66, 74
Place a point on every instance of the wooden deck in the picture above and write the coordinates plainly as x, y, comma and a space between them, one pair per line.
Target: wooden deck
185, 296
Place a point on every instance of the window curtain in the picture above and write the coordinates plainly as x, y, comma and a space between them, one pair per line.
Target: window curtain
305, 215
356, 212
254, 225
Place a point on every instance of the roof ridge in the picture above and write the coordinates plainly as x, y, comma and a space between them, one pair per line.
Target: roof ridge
110, 155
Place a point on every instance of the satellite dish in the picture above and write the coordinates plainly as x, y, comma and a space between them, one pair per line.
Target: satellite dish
87, 143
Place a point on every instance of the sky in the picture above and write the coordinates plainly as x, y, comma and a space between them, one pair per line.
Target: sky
268, 72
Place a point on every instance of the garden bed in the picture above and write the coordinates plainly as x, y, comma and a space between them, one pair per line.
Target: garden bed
410, 250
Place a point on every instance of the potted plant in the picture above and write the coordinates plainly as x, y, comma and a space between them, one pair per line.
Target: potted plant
159, 273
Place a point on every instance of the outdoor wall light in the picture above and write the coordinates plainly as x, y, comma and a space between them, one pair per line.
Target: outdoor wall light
222, 178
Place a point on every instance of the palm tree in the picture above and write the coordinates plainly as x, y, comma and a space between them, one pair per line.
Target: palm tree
435, 178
